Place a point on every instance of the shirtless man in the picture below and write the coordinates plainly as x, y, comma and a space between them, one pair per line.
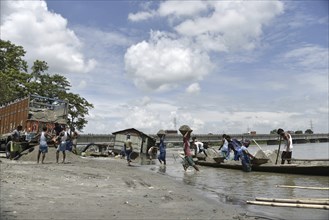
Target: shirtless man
287, 151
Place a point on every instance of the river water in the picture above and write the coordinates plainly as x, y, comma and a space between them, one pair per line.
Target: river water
235, 187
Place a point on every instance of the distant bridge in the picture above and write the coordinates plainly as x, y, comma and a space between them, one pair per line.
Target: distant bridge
270, 139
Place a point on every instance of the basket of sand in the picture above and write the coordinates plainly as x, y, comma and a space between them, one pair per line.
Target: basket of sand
161, 133
184, 128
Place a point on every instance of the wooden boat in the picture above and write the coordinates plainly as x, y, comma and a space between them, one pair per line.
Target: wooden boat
318, 167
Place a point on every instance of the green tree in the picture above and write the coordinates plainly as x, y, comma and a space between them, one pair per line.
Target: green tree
299, 132
274, 131
13, 72
308, 131
78, 109
16, 82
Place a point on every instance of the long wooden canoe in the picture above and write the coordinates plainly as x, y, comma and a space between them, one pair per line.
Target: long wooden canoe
296, 168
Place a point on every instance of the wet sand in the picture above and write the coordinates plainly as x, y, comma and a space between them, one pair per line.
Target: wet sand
88, 188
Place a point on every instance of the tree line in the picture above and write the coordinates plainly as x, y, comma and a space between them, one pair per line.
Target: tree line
307, 131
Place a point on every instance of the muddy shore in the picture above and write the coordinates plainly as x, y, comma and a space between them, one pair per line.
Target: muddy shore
87, 188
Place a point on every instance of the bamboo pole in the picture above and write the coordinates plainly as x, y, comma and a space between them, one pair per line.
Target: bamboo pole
317, 199
257, 145
277, 156
299, 201
304, 187
294, 205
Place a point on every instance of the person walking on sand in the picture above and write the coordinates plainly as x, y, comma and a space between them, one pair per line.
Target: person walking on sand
287, 150
43, 146
188, 160
15, 146
128, 149
62, 144
74, 137
162, 149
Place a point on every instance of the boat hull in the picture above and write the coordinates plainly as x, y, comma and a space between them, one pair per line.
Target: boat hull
315, 170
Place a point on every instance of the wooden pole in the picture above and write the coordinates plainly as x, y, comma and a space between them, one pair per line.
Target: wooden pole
257, 145
303, 187
277, 156
278, 204
299, 201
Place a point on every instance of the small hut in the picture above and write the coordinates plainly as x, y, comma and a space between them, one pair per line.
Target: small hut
141, 142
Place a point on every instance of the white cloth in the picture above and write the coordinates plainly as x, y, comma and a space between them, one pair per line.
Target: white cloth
64, 137
287, 143
199, 144
43, 139
225, 145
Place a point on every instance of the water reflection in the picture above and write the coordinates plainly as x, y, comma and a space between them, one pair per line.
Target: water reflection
144, 160
162, 169
190, 178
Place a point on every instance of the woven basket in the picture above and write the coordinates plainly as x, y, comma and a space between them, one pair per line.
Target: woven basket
184, 128
161, 133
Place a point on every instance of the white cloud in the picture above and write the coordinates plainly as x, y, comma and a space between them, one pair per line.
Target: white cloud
231, 25
180, 8
309, 56
314, 82
44, 36
140, 16
163, 63
220, 25
194, 88
82, 84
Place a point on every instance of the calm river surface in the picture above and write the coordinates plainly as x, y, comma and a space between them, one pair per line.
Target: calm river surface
236, 187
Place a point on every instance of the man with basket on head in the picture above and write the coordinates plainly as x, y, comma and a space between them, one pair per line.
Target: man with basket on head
188, 160
162, 147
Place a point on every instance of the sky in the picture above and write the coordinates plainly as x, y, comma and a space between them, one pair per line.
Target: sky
217, 66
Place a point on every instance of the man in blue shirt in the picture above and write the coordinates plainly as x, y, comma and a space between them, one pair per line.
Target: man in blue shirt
162, 149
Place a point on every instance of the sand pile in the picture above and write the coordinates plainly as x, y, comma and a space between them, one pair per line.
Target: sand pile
261, 155
50, 156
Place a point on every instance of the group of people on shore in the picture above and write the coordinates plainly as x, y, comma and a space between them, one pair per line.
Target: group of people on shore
63, 138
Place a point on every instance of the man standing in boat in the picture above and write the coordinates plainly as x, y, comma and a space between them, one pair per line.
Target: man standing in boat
287, 151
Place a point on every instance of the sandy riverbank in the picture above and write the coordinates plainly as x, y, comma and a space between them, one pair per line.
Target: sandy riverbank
86, 188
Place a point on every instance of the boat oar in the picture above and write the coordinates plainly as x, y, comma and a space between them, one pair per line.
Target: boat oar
277, 156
